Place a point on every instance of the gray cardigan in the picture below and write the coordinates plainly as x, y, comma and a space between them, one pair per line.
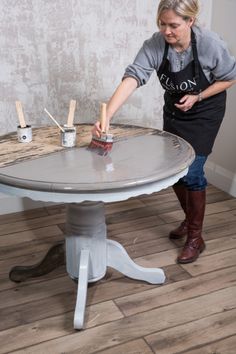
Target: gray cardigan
215, 59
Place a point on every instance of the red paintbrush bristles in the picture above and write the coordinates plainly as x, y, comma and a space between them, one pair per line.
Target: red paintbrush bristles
101, 145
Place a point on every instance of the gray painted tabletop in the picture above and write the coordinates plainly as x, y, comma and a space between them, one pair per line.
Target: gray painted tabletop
133, 161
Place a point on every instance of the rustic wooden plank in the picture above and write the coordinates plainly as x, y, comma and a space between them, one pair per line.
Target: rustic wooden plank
133, 203
219, 208
59, 325
134, 347
100, 313
140, 249
170, 206
224, 346
186, 337
155, 233
24, 248
212, 262
123, 330
222, 206
28, 259
30, 235
6, 229
213, 195
6, 283
22, 215
182, 290
59, 303
24, 292
156, 260
149, 234
24, 299
158, 198
56, 209
34, 291
137, 213
119, 228
218, 196
52, 307
173, 273
215, 245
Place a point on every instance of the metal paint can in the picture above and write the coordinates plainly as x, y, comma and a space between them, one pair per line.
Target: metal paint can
68, 137
24, 134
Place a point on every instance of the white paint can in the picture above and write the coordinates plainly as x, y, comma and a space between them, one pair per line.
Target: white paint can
24, 134
68, 137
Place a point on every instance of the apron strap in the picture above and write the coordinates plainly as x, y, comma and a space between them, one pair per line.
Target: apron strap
195, 55
161, 68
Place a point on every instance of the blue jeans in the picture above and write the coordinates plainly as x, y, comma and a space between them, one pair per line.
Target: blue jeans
195, 179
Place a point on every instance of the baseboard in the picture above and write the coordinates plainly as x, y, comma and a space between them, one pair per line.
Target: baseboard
221, 178
10, 204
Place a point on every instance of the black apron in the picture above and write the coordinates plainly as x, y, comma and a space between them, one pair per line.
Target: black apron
199, 125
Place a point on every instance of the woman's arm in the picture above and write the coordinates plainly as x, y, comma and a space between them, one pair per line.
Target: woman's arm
215, 88
121, 94
188, 101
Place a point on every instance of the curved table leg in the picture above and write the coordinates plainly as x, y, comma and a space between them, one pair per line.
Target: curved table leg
82, 290
118, 258
54, 258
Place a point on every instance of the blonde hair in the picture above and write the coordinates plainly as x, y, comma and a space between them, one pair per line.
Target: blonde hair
184, 8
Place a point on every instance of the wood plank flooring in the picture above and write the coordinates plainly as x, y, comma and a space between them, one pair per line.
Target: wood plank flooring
194, 312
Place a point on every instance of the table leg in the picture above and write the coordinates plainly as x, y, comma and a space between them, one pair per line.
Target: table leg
53, 259
82, 290
86, 250
118, 258
88, 253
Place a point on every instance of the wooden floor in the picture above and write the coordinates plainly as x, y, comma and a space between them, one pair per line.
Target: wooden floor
193, 312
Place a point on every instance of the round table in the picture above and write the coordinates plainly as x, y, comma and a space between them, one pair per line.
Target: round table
85, 180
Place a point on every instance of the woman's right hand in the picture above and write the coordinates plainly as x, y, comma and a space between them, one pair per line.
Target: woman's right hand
96, 129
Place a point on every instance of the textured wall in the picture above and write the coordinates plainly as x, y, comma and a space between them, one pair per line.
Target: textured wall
55, 50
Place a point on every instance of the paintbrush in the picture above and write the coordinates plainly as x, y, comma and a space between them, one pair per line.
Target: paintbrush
20, 114
54, 120
70, 119
103, 144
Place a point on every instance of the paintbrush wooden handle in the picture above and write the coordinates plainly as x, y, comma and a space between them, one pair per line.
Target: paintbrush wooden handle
20, 114
54, 120
103, 117
70, 119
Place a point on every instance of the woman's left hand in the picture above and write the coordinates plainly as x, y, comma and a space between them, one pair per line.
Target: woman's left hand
187, 102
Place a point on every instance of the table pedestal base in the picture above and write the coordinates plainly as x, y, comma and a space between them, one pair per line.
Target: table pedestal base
89, 253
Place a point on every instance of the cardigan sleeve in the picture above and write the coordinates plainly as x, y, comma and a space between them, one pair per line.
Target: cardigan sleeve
216, 60
147, 60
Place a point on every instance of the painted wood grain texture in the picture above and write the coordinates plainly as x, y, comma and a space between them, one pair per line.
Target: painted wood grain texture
46, 140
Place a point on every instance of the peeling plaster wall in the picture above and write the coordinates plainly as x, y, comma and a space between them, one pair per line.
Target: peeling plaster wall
56, 50
53, 51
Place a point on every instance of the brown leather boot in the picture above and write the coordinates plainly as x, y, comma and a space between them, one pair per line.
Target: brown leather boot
182, 195
195, 213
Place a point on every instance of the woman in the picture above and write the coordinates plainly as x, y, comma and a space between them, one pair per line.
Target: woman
194, 68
